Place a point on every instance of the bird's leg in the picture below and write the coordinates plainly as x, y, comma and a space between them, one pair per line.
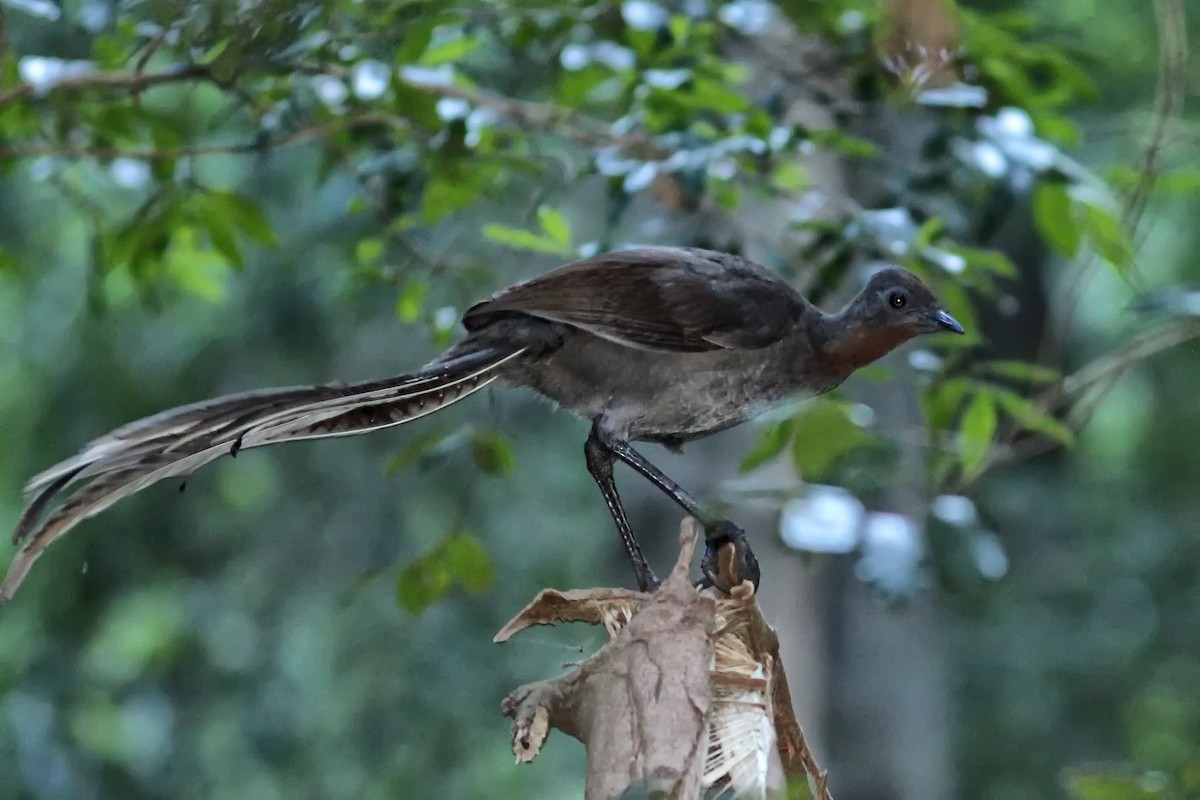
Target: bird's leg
717, 530
600, 464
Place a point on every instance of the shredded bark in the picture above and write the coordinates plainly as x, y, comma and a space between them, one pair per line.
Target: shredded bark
643, 703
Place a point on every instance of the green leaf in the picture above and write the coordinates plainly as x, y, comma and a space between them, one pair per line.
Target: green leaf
1115, 786
468, 562
451, 190
714, 96
166, 133
415, 38
680, 27
976, 431
138, 635
823, 434
789, 177
416, 104
1031, 417
642, 41
411, 301
1053, 218
248, 217
459, 559
1189, 778
726, 194
8, 263
219, 229
135, 245
424, 445
844, 143
93, 720
492, 452
1108, 236
772, 439
449, 51
368, 251
223, 60
1022, 371
928, 231
987, 260
113, 123
421, 584
942, 400
1184, 180
524, 240
213, 53
195, 270
223, 239
591, 84
110, 52
555, 226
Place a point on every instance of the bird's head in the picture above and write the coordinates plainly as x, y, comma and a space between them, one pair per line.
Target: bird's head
892, 308
895, 298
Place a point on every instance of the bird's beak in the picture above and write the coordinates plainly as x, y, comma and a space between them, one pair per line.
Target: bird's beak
942, 320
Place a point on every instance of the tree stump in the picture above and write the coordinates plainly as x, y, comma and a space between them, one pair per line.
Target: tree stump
687, 699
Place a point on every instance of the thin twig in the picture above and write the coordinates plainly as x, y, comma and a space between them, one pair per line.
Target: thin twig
1168, 100
149, 51
1095, 378
126, 81
567, 122
1137, 349
1168, 103
368, 120
1169, 94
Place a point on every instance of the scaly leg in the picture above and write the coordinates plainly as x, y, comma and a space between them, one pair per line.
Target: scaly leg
718, 531
600, 465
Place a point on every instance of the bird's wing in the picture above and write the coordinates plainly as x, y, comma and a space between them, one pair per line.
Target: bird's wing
658, 298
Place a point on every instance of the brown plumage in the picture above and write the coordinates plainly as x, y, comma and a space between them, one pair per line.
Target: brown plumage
652, 344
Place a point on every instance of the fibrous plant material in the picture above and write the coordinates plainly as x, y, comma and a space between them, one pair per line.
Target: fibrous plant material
687, 698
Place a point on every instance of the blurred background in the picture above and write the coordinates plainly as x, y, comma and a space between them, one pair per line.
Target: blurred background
982, 555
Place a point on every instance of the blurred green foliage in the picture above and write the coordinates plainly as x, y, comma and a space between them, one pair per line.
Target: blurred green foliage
208, 196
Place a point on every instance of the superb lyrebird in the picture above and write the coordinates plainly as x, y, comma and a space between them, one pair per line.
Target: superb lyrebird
657, 344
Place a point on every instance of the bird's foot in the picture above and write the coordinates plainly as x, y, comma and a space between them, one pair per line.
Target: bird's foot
745, 565
647, 581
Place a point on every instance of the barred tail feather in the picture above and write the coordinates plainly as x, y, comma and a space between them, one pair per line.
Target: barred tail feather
177, 442
171, 424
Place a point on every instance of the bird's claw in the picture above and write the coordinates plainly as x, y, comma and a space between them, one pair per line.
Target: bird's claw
745, 565
647, 581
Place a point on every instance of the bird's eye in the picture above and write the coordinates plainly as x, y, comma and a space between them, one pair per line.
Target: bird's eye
897, 300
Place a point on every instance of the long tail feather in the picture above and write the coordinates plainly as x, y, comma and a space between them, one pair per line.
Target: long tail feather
177, 442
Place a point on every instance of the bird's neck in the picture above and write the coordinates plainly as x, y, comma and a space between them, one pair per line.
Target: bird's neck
843, 343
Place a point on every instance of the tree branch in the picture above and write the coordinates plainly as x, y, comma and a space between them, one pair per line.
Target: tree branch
568, 123
125, 81
300, 136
